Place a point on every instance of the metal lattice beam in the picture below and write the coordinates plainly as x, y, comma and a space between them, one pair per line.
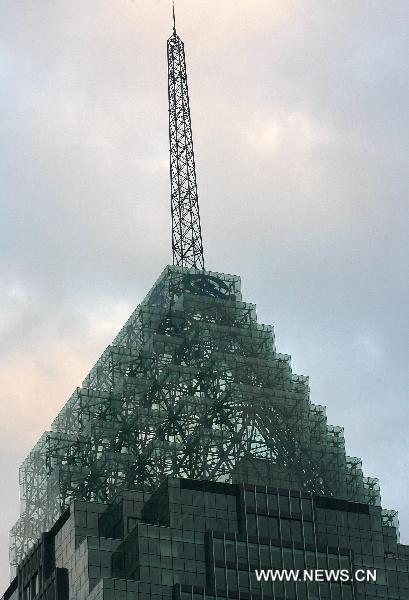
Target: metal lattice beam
187, 246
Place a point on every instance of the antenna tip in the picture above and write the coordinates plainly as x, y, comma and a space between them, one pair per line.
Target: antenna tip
174, 19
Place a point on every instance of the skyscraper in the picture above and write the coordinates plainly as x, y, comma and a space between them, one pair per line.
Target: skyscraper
191, 456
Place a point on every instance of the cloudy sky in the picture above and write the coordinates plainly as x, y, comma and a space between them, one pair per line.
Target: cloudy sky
301, 127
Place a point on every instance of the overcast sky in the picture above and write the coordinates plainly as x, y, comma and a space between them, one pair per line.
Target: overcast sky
301, 128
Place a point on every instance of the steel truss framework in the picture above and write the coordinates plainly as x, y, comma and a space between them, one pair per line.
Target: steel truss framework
187, 244
193, 387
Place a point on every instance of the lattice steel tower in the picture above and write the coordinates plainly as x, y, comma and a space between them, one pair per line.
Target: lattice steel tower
187, 244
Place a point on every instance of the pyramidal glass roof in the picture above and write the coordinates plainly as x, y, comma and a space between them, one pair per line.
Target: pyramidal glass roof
192, 386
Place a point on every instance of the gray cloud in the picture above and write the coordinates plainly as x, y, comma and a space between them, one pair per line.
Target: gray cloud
301, 132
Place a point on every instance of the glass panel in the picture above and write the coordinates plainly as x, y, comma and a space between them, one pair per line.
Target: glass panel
308, 533
290, 590
253, 554
220, 579
261, 502
299, 561
310, 559
295, 506
288, 558
296, 531
285, 530
241, 552
232, 579
249, 499
244, 582
255, 585
230, 551
272, 502
218, 549
276, 557
264, 556
251, 524
262, 522
333, 562
302, 590
306, 507
273, 528
322, 560
324, 590
279, 589
313, 589
347, 592
267, 587
336, 591
284, 504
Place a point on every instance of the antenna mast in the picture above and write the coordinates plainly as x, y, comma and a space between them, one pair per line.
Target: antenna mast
187, 246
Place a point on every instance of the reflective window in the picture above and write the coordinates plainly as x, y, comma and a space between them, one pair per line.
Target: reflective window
272, 501
218, 549
295, 506
306, 507
333, 562
284, 503
220, 579
255, 585
290, 592
310, 559
249, 499
261, 502
288, 558
308, 533
253, 554
241, 552
251, 524
276, 557
232, 579
230, 551
267, 587
321, 560
299, 561
244, 581
285, 530
264, 556
296, 531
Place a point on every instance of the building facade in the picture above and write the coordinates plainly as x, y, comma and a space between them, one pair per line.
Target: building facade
191, 457
202, 540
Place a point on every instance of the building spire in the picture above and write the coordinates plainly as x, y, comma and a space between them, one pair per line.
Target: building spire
187, 246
